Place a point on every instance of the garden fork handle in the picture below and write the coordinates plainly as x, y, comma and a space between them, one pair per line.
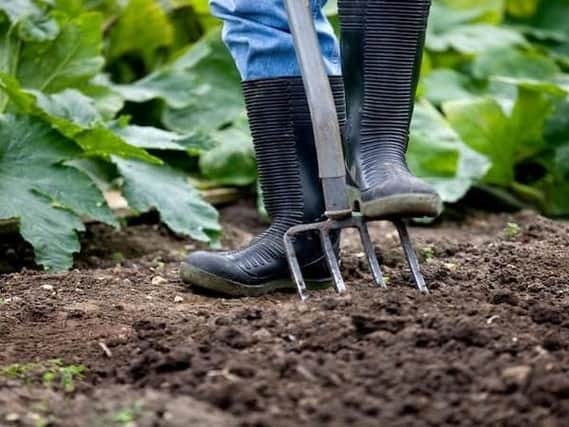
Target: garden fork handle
327, 133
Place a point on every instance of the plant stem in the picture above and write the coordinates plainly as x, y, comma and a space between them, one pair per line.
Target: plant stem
16, 62
8, 66
531, 194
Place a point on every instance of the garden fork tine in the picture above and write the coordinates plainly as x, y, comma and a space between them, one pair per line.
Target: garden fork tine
410, 255
331, 168
324, 228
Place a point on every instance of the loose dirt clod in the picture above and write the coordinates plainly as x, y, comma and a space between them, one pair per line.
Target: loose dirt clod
489, 347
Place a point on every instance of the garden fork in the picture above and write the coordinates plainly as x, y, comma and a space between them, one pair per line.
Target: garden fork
339, 211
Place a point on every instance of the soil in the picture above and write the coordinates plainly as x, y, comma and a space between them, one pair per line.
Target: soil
488, 347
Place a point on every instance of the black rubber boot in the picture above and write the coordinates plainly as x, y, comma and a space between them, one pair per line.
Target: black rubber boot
282, 132
382, 43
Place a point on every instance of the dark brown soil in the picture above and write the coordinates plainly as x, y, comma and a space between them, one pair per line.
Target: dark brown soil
489, 347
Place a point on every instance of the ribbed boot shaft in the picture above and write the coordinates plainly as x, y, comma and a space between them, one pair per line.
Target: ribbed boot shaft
281, 127
271, 120
351, 13
393, 32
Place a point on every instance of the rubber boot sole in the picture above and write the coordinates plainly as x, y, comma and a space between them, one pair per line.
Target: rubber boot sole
202, 279
409, 205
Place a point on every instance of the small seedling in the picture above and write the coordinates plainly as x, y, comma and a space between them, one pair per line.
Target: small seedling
52, 373
128, 415
118, 257
3, 301
40, 421
428, 253
18, 371
512, 230
67, 375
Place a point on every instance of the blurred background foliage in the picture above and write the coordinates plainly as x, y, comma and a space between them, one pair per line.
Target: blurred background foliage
140, 94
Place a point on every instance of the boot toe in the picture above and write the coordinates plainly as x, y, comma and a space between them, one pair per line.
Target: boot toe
398, 186
401, 196
226, 273
201, 268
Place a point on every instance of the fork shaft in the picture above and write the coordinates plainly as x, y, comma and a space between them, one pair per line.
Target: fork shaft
323, 112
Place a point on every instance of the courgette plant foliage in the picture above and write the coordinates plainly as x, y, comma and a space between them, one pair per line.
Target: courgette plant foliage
62, 139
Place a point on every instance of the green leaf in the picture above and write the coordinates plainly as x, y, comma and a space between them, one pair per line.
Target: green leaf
143, 27
486, 11
474, 39
505, 140
513, 63
562, 163
530, 112
107, 101
552, 15
484, 127
74, 8
157, 139
102, 172
68, 61
101, 141
148, 186
522, 8
556, 129
437, 154
176, 87
557, 203
38, 28
232, 162
446, 15
75, 116
558, 86
217, 98
18, 9
45, 196
444, 85
70, 105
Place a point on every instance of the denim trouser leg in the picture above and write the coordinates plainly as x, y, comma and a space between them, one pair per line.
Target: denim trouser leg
258, 36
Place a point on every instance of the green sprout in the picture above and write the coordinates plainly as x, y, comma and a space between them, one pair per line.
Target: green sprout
18, 371
428, 253
128, 415
118, 256
67, 375
52, 373
512, 230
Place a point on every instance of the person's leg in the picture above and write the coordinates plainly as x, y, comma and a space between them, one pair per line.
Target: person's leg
382, 45
257, 34
258, 37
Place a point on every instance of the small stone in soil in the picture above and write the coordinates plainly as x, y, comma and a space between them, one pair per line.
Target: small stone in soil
517, 375
158, 280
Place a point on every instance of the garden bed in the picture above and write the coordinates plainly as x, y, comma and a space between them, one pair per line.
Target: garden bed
489, 347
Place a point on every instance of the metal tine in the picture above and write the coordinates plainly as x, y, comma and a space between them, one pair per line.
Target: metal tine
332, 261
370, 253
410, 255
295, 266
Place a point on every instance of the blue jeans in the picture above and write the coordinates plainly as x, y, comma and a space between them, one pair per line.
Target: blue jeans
258, 37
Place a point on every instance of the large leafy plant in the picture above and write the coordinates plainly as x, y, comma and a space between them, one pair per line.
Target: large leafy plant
62, 139
496, 70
